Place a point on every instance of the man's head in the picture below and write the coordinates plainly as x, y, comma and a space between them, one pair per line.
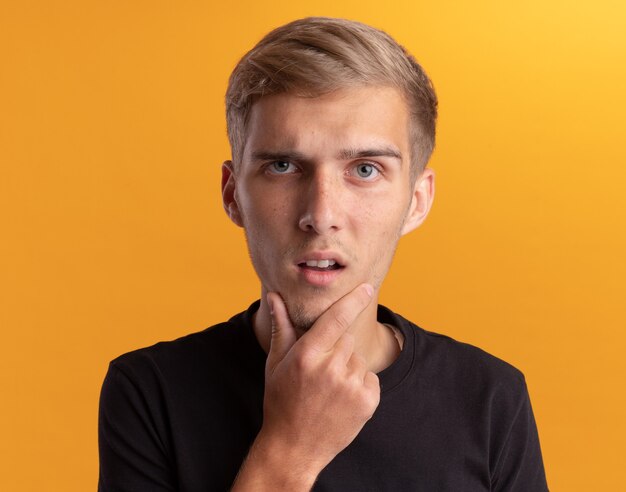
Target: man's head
315, 56
325, 175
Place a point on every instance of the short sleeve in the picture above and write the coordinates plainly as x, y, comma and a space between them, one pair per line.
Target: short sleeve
517, 460
132, 435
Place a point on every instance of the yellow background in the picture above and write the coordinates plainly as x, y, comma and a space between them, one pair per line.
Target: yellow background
113, 236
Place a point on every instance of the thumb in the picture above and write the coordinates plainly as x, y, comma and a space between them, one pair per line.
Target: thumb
283, 333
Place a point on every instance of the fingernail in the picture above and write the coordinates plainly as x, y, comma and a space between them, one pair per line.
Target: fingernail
369, 289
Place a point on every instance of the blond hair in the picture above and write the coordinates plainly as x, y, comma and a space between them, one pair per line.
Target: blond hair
318, 55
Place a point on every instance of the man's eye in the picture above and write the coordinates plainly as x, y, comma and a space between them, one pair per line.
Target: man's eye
282, 167
367, 171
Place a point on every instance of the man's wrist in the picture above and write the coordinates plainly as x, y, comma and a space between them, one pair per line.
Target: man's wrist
272, 464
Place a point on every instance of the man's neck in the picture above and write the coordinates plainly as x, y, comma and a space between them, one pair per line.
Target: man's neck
377, 343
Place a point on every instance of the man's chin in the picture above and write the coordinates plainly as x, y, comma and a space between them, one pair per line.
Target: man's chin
302, 320
304, 315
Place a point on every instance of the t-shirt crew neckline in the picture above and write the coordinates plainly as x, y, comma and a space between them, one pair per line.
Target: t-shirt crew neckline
390, 377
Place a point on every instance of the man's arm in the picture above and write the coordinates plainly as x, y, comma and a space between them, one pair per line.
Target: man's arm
318, 396
517, 460
131, 437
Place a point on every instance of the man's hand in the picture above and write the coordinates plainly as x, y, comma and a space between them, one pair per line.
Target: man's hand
318, 393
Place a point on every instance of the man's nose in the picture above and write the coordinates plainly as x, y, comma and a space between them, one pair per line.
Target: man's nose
322, 198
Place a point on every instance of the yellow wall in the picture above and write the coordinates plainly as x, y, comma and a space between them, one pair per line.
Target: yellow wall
113, 236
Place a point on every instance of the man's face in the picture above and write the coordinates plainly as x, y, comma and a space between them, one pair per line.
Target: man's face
323, 193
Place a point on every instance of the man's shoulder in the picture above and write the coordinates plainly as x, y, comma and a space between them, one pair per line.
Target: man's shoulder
197, 350
472, 358
446, 358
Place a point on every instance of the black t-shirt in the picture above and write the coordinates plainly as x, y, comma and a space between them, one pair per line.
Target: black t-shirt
181, 416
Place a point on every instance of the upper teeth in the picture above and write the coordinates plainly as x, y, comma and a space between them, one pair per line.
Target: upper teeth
320, 263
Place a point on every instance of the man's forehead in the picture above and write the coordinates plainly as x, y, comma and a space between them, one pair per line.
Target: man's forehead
348, 98
352, 123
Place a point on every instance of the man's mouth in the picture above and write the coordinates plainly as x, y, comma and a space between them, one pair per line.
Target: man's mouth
320, 265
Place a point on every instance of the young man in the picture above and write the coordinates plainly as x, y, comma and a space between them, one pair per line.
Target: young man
331, 125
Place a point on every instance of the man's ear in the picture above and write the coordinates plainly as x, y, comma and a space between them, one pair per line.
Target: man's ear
229, 198
421, 200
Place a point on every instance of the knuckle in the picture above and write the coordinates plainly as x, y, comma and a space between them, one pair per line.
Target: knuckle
299, 364
373, 378
373, 383
370, 401
341, 321
358, 366
334, 378
359, 360
303, 360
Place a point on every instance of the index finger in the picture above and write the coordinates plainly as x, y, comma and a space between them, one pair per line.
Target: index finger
336, 320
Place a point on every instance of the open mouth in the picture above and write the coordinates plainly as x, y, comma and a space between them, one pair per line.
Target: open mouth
320, 265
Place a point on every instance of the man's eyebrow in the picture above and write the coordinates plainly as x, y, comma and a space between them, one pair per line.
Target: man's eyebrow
387, 151
288, 156
345, 154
